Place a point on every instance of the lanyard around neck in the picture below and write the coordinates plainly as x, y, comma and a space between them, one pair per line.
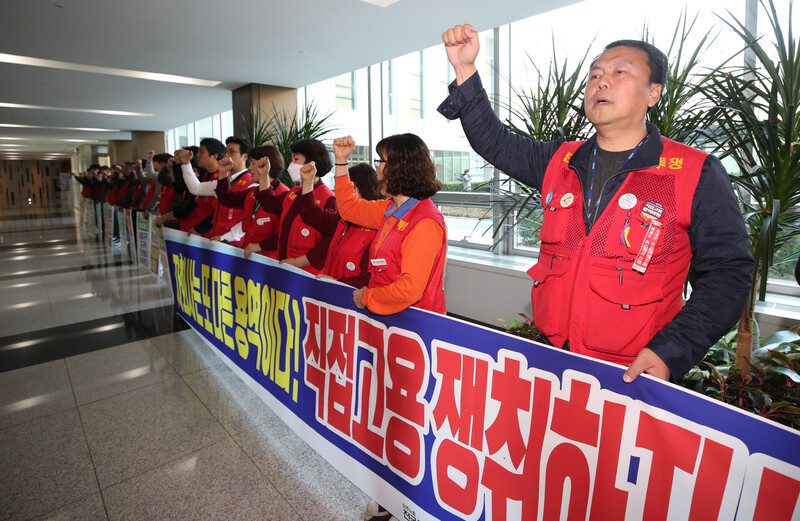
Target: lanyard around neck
589, 199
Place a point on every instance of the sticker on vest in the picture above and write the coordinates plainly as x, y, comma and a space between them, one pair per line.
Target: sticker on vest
549, 197
567, 200
648, 247
378, 262
304, 232
652, 210
350, 266
262, 221
627, 201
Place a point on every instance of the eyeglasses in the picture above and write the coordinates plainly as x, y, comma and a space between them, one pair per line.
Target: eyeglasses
378, 162
231, 152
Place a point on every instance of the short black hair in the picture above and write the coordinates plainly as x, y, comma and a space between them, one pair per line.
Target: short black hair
244, 145
193, 149
214, 146
161, 158
656, 60
314, 151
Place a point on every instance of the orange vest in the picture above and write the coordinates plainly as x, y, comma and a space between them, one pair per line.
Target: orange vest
609, 292
386, 259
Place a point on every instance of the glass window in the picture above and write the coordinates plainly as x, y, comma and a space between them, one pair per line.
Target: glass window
181, 136
169, 138
390, 86
227, 123
415, 90
216, 127
345, 91
205, 128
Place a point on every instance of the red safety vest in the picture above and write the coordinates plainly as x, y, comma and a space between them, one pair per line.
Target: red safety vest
256, 222
206, 205
151, 191
165, 201
385, 261
227, 216
123, 191
113, 195
302, 237
347, 249
611, 291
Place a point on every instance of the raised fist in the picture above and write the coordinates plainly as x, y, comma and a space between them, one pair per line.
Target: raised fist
184, 156
150, 154
462, 45
225, 165
308, 172
343, 147
261, 166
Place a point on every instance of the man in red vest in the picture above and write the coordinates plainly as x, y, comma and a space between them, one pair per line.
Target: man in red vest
210, 152
624, 215
228, 219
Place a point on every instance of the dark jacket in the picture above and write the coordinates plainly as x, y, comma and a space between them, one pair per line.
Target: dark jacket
722, 257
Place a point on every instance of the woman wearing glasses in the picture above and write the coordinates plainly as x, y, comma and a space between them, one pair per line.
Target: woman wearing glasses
407, 255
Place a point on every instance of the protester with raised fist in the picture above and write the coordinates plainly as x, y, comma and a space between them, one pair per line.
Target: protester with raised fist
624, 215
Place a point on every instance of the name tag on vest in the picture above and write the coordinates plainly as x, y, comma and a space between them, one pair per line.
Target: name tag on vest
263, 221
648, 247
378, 262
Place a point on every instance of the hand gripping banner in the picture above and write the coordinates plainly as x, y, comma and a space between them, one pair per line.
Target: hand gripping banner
439, 419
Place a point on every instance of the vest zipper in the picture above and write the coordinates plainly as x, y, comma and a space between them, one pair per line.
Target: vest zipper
593, 217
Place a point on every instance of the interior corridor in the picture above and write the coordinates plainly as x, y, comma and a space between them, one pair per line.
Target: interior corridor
111, 408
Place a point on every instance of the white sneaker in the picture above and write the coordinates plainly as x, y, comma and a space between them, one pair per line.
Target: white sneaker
374, 510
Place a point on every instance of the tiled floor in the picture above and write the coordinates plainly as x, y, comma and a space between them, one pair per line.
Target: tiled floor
111, 409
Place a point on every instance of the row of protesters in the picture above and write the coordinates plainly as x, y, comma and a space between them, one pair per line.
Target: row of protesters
256, 224
298, 244
348, 254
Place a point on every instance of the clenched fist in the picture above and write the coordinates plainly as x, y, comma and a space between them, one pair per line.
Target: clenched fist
462, 45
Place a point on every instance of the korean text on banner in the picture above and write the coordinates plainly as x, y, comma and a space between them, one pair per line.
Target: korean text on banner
439, 419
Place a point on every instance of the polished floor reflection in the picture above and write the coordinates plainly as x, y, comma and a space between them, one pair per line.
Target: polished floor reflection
111, 409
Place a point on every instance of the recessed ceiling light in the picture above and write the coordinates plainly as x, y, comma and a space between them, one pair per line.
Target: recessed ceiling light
90, 111
380, 3
86, 129
154, 76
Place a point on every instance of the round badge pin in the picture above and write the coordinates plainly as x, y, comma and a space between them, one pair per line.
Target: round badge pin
304, 232
627, 201
567, 200
351, 266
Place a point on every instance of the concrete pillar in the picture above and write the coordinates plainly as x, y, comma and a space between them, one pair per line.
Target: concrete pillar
255, 98
120, 151
144, 141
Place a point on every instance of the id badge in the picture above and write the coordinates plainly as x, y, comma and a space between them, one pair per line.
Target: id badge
378, 262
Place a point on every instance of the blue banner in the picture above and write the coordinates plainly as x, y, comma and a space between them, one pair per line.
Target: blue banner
440, 419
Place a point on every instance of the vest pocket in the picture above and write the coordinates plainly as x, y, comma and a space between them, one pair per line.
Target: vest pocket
302, 239
554, 224
621, 309
551, 292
